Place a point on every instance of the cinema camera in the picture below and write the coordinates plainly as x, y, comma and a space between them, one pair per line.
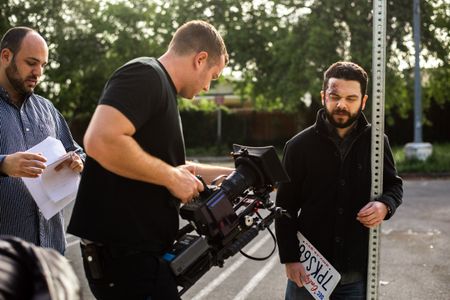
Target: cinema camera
226, 217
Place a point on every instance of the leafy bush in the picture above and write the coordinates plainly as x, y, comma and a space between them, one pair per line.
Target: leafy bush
438, 162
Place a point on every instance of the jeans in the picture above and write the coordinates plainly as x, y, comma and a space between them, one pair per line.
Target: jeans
351, 291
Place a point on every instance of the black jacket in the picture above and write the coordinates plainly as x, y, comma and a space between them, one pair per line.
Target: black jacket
326, 192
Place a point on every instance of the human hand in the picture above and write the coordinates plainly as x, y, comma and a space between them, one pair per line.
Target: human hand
372, 214
191, 168
296, 273
185, 186
73, 161
23, 164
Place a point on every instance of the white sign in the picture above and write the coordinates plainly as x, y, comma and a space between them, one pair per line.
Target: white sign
322, 276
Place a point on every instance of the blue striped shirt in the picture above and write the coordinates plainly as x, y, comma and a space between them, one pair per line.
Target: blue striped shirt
20, 129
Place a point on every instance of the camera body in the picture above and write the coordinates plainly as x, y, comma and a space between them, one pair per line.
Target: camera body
226, 217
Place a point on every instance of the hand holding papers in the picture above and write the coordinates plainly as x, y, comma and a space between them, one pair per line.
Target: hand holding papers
56, 187
322, 276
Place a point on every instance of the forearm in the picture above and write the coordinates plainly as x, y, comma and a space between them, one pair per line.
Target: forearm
210, 172
122, 155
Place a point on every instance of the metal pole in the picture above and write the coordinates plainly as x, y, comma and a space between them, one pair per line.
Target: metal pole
377, 148
417, 85
219, 125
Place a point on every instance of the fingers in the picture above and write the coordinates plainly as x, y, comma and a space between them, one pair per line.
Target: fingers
73, 161
76, 163
185, 185
372, 214
298, 280
189, 167
24, 164
366, 210
196, 189
64, 163
296, 273
33, 156
200, 187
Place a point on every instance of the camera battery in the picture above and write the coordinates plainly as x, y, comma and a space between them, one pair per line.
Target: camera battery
185, 252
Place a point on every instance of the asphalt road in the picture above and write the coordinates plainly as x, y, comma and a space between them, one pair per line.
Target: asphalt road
414, 255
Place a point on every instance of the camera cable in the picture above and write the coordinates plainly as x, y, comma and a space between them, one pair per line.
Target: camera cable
270, 254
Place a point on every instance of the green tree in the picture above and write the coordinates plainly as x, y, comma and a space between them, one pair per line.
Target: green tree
87, 40
278, 48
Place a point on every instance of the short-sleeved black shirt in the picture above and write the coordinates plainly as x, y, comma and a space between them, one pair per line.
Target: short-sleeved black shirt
123, 212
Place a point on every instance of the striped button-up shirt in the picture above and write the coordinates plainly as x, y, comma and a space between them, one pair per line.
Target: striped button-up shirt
20, 129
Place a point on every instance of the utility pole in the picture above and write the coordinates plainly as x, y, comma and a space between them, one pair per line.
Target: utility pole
418, 149
417, 79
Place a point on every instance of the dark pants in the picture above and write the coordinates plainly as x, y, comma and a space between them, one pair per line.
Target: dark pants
127, 274
350, 291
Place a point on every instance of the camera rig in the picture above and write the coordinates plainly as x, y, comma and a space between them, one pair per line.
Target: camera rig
226, 217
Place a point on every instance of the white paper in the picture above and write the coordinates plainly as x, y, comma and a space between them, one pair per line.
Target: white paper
53, 190
59, 184
322, 276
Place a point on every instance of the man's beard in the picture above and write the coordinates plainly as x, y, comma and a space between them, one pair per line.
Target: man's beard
12, 73
351, 117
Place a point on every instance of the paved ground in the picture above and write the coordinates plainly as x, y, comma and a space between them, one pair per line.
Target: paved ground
414, 264
415, 257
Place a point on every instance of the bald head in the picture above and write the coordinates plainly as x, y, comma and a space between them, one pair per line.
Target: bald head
24, 54
14, 37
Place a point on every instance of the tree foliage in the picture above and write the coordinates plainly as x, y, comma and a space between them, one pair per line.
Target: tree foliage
278, 48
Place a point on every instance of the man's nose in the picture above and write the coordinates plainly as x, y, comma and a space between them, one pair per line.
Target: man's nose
38, 71
341, 103
206, 87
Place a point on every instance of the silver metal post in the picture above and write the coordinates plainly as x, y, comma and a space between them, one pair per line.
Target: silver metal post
417, 84
377, 149
418, 149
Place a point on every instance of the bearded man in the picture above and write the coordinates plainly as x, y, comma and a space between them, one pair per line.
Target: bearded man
26, 119
328, 197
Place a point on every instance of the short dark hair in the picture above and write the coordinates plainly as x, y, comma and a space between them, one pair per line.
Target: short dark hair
196, 36
348, 71
13, 38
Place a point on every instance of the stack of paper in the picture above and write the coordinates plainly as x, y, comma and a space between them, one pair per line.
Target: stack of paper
53, 190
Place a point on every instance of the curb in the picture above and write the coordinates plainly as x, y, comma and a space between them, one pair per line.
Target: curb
420, 175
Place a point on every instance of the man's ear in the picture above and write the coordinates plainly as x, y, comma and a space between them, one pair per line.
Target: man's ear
364, 100
6, 55
200, 59
322, 96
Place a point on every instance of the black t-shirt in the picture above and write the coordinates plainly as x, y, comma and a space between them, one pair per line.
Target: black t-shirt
123, 212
